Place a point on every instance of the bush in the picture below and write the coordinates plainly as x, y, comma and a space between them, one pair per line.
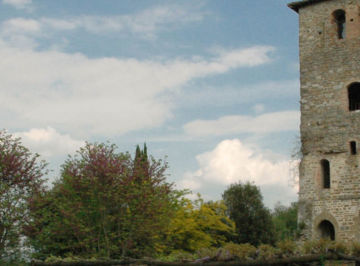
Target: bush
240, 251
267, 252
12, 262
207, 252
317, 246
287, 248
178, 256
52, 258
340, 247
355, 249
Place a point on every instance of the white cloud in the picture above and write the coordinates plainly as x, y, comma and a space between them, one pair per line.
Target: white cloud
264, 123
107, 95
232, 161
19, 4
20, 32
48, 142
21, 25
144, 24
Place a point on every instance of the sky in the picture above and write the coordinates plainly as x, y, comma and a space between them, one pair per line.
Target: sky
211, 86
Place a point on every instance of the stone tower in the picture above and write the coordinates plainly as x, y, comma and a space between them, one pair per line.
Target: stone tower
329, 40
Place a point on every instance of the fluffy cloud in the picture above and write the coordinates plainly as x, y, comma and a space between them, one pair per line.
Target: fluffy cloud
21, 32
264, 123
48, 142
19, 4
100, 96
231, 161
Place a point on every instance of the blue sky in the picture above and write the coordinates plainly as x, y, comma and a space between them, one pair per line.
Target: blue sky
213, 85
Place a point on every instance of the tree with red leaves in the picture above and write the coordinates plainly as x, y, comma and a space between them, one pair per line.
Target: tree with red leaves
21, 175
105, 204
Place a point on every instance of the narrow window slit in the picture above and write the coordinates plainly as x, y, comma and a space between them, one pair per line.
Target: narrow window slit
340, 21
354, 96
353, 147
325, 169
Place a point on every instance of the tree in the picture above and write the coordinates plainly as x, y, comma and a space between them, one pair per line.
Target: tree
198, 224
21, 175
252, 219
105, 204
285, 221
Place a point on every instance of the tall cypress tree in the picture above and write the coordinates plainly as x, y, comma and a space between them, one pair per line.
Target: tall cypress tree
141, 164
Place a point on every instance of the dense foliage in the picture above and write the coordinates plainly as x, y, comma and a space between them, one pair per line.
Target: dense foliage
20, 178
315, 252
285, 221
198, 224
105, 205
252, 218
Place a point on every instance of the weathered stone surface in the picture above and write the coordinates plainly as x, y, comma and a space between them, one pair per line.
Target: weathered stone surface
328, 65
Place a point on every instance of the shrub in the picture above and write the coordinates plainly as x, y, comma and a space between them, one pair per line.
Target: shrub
341, 247
267, 252
207, 252
178, 255
317, 246
52, 258
240, 251
355, 249
287, 248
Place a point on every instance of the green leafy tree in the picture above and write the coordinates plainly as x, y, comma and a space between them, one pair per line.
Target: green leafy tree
20, 178
105, 204
252, 218
285, 221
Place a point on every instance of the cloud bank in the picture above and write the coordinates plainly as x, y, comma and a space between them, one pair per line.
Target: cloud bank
101, 96
144, 24
48, 142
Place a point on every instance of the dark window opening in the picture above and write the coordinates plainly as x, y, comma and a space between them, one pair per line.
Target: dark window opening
353, 147
354, 96
327, 230
340, 20
325, 169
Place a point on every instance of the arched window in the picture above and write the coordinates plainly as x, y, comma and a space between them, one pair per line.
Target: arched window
325, 172
340, 21
354, 96
326, 230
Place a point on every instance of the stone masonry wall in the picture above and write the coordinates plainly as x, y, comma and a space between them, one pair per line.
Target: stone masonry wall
328, 65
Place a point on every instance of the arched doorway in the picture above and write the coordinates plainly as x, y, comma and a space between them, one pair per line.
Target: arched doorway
326, 230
